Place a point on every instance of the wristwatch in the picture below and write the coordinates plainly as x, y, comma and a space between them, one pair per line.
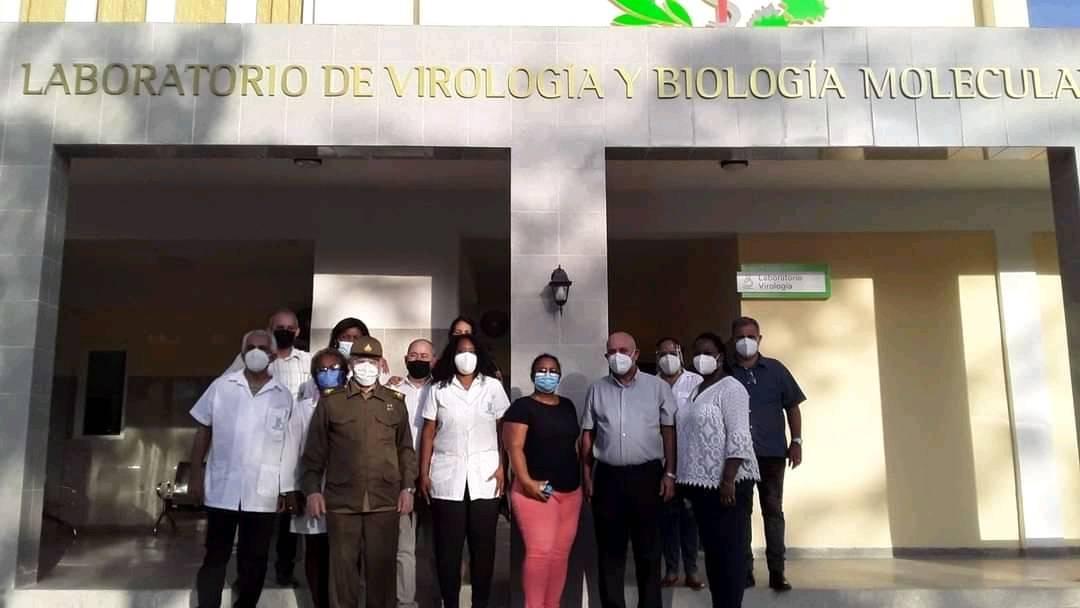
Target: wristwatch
411, 490
670, 475
797, 441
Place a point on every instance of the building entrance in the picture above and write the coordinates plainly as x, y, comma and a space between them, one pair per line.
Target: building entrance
168, 262
910, 359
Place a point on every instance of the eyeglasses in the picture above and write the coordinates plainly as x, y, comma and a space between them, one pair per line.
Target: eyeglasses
328, 369
750, 379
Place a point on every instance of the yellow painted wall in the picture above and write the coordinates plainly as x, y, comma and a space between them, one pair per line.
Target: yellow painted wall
1056, 351
43, 10
907, 430
121, 10
279, 11
200, 11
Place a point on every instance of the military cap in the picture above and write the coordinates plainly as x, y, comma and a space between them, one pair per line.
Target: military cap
366, 347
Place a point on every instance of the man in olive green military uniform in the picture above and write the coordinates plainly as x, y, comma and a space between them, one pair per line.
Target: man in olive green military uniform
361, 443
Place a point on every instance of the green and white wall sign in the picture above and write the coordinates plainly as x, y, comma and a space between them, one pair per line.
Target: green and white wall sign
784, 281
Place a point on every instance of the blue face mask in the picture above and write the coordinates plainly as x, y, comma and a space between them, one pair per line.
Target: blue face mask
546, 382
330, 378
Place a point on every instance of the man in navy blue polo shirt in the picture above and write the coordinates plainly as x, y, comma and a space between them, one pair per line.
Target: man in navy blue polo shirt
774, 396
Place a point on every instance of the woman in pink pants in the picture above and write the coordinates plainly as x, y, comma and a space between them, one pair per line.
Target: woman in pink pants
541, 433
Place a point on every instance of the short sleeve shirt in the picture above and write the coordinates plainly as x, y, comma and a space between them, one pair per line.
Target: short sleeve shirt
249, 435
773, 390
550, 442
626, 418
466, 446
414, 401
684, 385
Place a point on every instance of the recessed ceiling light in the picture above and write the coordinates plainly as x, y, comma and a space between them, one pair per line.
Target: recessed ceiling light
307, 163
734, 165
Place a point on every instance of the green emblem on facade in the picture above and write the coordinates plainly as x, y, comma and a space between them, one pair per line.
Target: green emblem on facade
789, 12
670, 13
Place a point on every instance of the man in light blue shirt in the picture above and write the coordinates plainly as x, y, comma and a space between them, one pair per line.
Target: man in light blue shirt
628, 451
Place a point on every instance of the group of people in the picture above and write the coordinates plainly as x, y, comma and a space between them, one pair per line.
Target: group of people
331, 448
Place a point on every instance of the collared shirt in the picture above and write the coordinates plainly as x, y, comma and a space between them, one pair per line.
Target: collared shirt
684, 385
466, 449
301, 421
244, 469
773, 391
414, 400
626, 419
712, 426
292, 371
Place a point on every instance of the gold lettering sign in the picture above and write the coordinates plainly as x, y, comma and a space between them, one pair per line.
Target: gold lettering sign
555, 82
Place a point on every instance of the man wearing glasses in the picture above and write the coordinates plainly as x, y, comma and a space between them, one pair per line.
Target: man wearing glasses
774, 395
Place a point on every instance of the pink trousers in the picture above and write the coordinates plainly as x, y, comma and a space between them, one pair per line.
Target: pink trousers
548, 529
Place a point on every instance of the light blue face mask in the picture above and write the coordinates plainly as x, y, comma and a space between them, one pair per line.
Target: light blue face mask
546, 382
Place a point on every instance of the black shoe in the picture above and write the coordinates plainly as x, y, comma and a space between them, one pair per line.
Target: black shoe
288, 580
778, 583
750, 582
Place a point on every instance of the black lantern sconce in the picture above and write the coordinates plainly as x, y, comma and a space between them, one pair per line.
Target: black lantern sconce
560, 287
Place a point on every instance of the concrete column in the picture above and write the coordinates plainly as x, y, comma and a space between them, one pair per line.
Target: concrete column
1065, 189
558, 216
33, 198
1039, 492
1004, 13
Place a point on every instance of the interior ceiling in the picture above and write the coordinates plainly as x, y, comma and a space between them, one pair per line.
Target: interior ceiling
623, 175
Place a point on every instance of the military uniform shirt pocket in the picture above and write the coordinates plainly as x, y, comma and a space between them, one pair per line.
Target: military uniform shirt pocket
385, 427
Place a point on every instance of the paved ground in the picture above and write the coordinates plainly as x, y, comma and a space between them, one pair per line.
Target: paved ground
125, 561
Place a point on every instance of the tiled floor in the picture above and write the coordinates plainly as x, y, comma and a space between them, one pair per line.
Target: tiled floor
133, 561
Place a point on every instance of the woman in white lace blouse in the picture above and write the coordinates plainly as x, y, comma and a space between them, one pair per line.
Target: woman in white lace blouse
717, 468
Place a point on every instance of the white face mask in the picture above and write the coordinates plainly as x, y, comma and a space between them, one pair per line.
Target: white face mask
366, 373
620, 363
344, 348
705, 364
465, 363
256, 360
746, 347
670, 364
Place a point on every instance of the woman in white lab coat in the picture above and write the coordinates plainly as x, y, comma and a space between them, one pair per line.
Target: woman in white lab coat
461, 467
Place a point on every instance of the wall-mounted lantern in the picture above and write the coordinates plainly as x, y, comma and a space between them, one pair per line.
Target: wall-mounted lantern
560, 286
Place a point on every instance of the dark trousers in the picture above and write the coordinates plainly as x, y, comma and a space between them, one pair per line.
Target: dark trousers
285, 547
627, 507
452, 522
317, 568
252, 552
680, 536
771, 497
367, 540
722, 530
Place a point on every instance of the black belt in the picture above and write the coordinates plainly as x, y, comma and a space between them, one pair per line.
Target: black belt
632, 467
